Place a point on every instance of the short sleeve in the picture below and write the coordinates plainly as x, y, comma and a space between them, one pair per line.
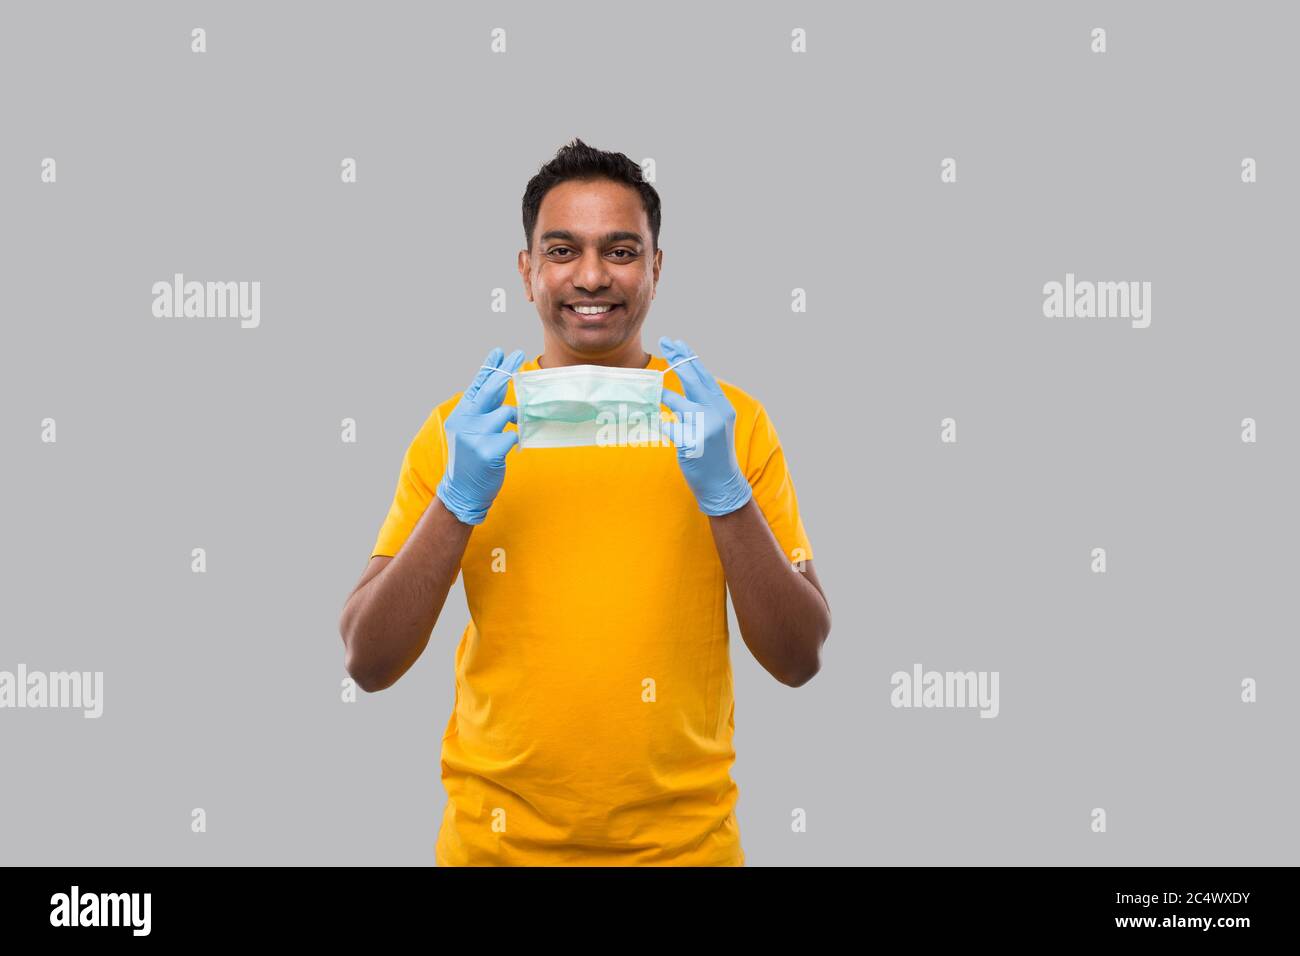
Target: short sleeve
422, 468
766, 470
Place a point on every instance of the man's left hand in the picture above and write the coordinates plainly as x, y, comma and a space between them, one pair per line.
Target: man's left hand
706, 452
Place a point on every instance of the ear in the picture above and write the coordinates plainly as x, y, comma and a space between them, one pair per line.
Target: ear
525, 273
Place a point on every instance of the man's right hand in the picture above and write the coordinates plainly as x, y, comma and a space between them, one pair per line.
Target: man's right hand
476, 444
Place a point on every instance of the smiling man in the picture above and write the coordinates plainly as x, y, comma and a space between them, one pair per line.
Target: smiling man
594, 709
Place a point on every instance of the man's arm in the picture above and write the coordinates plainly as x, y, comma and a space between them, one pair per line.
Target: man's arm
390, 614
783, 613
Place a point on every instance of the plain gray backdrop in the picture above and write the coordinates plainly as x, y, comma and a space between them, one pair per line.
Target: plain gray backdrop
777, 171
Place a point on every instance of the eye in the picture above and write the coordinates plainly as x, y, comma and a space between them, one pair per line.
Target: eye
627, 253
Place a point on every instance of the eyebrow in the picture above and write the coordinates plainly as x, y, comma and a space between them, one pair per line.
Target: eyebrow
620, 236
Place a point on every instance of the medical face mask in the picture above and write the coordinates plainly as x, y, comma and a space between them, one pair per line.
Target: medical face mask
588, 405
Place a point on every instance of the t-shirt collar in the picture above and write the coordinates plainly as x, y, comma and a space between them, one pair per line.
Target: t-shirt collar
656, 362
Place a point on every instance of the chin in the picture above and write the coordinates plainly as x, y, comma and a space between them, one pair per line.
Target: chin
595, 338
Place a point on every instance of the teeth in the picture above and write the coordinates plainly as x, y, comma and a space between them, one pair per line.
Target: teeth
591, 309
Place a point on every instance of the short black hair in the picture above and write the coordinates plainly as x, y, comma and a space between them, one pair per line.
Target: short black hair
577, 160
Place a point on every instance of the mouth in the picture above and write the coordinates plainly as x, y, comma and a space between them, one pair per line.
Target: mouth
593, 317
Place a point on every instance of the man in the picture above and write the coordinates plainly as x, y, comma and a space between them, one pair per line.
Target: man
594, 714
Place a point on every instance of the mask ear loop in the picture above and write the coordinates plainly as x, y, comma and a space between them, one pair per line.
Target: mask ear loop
512, 377
665, 372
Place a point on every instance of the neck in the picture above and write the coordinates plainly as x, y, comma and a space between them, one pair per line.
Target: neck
628, 355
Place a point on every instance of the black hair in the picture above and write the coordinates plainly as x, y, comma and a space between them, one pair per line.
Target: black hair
577, 160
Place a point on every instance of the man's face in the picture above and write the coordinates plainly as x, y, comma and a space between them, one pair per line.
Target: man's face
591, 243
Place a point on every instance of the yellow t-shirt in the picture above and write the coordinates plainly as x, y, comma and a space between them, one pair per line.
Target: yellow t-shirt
594, 712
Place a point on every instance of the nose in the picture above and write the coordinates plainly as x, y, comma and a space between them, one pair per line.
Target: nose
592, 271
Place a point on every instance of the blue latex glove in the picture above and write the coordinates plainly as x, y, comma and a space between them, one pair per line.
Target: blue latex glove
707, 452
476, 445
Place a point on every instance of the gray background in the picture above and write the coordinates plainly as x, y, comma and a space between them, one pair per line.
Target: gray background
776, 170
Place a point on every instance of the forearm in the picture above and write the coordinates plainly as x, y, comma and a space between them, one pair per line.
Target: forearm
387, 622
783, 618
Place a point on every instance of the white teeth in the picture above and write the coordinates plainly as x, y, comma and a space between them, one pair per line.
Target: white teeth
591, 309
